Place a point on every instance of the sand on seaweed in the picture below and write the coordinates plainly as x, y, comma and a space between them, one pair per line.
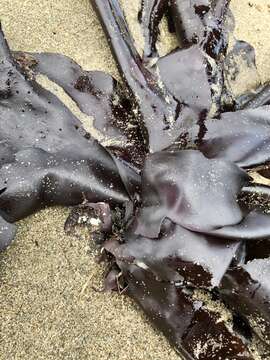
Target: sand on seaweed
48, 309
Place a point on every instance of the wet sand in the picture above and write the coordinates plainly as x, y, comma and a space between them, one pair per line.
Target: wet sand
48, 309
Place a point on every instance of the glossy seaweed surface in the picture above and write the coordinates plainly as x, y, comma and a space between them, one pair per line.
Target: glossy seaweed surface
169, 193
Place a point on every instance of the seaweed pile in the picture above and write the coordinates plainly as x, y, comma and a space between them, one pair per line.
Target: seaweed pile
169, 193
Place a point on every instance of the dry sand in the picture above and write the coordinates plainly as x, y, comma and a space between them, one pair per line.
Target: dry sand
48, 309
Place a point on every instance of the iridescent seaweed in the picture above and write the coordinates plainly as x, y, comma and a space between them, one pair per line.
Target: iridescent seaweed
47, 158
179, 209
169, 193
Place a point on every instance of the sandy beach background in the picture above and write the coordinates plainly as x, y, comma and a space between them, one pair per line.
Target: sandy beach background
48, 309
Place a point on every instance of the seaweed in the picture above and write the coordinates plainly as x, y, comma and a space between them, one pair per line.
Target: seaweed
246, 288
47, 158
98, 95
167, 189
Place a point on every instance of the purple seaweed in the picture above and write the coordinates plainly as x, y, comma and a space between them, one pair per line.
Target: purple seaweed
170, 197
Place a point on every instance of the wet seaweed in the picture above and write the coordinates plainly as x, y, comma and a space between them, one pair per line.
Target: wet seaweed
166, 189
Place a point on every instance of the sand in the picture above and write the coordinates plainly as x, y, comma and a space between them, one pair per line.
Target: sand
48, 309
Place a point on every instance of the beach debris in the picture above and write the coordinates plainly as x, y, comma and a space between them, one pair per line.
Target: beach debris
96, 217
